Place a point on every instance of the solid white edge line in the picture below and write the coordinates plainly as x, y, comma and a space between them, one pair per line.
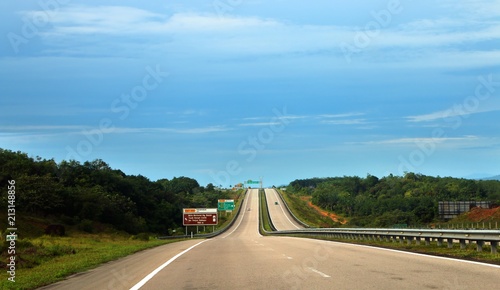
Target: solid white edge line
405, 252
152, 274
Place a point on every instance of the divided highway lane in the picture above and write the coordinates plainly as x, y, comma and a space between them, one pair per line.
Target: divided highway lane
243, 259
280, 216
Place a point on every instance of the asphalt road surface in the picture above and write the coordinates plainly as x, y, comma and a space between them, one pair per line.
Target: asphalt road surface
243, 259
281, 218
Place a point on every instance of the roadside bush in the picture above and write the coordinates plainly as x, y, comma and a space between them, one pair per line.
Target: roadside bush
141, 237
86, 226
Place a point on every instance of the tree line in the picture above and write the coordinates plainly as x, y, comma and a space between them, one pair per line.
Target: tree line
83, 194
411, 199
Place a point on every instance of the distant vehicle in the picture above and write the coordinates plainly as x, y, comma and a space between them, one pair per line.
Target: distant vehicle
276, 203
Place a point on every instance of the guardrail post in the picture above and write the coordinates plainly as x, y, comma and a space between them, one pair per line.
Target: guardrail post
479, 246
450, 243
427, 241
462, 244
439, 242
418, 239
409, 240
494, 246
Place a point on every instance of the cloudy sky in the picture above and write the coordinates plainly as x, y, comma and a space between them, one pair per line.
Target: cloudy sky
229, 90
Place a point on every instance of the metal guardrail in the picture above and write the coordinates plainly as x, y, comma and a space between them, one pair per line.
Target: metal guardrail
480, 237
217, 232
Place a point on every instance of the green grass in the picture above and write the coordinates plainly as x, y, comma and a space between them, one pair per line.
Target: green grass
45, 260
307, 214
266, 223
311, 217
224, 219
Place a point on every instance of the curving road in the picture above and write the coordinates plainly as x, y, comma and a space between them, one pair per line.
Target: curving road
243, 259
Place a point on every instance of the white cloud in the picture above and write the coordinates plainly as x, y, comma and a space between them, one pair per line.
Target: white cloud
346, 115
345, 122
198, 130
230, 36
257, 124
453, 112
40, 128
425, 140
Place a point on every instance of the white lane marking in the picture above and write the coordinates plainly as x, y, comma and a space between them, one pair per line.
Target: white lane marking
152, 274
275, 195
428, 256
401, 252
319, 272
244, 211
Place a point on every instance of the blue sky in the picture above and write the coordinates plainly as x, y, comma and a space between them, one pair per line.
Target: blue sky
225, 91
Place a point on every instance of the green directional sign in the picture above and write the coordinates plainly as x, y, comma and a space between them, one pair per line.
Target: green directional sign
225, 204
252, 182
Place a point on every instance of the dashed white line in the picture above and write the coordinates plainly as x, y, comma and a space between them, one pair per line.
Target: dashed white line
319, 272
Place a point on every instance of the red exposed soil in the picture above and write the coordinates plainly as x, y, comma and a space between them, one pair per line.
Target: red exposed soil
478, 214
323, 212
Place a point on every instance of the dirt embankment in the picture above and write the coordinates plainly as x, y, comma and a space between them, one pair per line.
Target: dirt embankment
323, 212
478, 214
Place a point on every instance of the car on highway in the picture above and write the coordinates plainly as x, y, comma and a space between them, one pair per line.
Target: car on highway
276, 203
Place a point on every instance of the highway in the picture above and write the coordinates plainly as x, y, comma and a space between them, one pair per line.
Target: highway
243, 259
280, 216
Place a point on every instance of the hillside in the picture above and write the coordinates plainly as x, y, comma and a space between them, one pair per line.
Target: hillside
91, 196
390, 201
478, 214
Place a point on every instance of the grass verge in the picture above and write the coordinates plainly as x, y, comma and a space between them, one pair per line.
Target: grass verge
311, 217
307, 214
266, 223
45, 260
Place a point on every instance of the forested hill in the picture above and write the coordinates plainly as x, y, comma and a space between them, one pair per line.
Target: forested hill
92, 192
411, 199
